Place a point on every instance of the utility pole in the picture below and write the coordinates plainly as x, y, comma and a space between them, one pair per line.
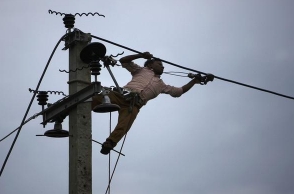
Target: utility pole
80, 139
81, 54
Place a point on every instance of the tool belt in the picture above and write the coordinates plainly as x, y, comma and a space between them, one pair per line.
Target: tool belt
133, 97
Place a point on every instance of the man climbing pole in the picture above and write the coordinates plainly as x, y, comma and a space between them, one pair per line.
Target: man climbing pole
144, 86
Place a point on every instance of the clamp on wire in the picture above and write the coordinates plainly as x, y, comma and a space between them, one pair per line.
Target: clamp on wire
203, 79
108, 60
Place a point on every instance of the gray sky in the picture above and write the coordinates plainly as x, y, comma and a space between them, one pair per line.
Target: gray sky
219, 138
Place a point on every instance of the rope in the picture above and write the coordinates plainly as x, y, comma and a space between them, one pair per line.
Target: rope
175, 73
189, 69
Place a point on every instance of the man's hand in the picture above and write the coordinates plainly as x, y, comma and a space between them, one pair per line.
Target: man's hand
197, 78
147, 55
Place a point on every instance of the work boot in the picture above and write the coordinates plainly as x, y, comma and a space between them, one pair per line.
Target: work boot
106, 147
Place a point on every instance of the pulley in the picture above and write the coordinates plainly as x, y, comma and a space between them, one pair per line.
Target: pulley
203, 79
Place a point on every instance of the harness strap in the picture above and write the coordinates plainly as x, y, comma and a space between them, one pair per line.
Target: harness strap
132, 104
134, 99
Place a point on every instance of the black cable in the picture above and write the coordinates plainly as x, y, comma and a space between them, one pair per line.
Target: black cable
30, 104
9, 134
109, 157
29, 119
182, 67
108, 186
33, 117
112, 149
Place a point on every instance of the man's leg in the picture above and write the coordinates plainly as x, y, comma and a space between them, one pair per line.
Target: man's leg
125, 121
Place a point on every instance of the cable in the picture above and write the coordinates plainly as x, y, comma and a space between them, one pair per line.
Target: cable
182, 67
30, 104
109, 158
175, 73
108, 187
112, 149
31, 118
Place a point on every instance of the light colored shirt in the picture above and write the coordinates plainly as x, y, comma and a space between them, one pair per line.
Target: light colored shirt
147, 84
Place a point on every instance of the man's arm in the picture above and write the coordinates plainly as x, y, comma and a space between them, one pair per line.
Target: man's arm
190, 84
129, 58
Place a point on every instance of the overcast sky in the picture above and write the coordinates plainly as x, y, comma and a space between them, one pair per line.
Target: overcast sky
220, 138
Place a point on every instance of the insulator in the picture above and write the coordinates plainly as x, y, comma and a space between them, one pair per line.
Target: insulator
57, 132
106, 106
93, 52
69, 20
42, 97
95, 67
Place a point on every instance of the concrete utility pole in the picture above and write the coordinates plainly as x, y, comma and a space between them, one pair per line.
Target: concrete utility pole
80, 127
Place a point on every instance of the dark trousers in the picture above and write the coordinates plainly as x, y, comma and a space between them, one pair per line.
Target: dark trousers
126, 117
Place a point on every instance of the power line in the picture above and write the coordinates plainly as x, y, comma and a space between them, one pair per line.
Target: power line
33, 117
193, 70
24, 121
112, 149
30, 104
114, 168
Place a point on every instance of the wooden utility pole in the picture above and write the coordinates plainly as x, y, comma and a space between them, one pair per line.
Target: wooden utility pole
80, 139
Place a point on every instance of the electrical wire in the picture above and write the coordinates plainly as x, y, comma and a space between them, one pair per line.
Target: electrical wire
31, 118
110, 175
193, 70
108, 187
30, 104
36, 115
24, 121
109, 156
112, 149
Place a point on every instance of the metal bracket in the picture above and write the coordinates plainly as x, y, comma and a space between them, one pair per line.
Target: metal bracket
107, 62
55, 111
74, 36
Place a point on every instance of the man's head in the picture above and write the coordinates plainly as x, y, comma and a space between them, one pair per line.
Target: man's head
155, 65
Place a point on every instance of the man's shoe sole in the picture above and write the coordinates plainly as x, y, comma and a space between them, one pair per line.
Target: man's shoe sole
105, 151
